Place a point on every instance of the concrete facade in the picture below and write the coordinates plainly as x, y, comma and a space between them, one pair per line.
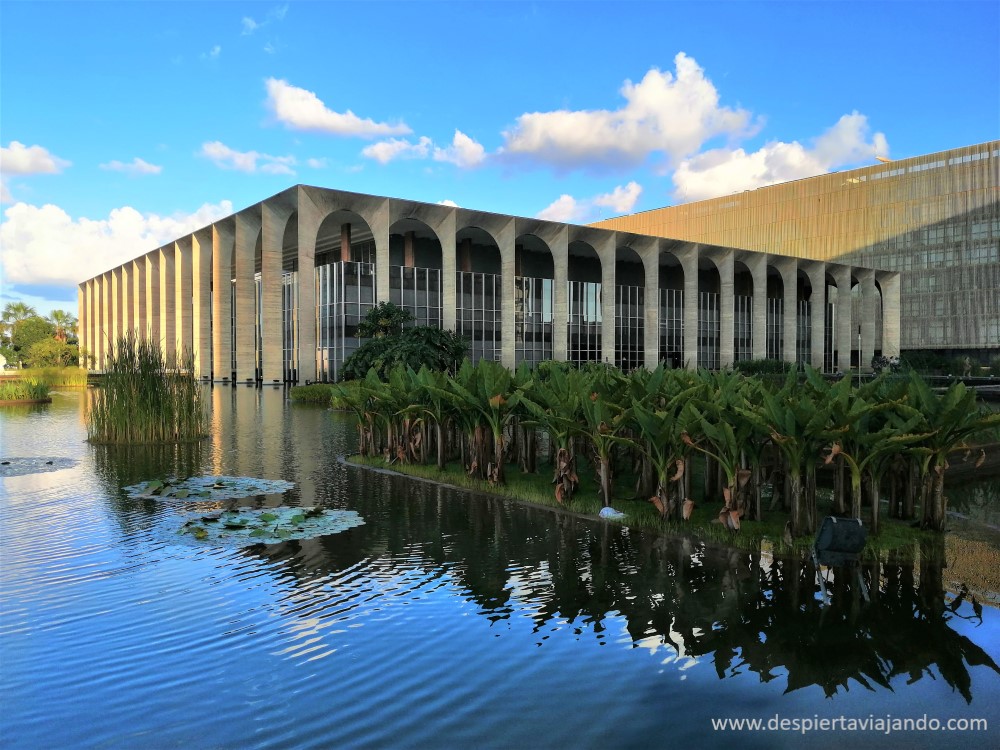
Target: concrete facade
274, 292
933, 219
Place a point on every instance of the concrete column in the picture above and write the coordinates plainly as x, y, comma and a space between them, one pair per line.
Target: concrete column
153, 295
222, 258
757, 263
201, 302
869, 299
379, 224
449, 292
92, 321
606, 249
689, 262
168, 302
408, 249
116, 308
345, 242
273, 220
649, 253
788, 269
81, 317
139, 315
246, 232
727, 308
508, 254
890, 283
309, 218
817, 309
559, 247
843, 336
182, 297
106, 325
127, 290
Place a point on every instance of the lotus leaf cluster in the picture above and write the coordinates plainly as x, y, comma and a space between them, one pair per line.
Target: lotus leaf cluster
208, 488
267, 526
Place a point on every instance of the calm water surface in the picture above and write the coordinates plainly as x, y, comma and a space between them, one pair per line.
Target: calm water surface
446, 621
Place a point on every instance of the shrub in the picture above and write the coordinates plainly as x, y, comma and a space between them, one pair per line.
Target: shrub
763, 366
315, 393
146, 397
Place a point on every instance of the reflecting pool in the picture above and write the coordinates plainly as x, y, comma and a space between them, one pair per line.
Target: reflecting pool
446, 620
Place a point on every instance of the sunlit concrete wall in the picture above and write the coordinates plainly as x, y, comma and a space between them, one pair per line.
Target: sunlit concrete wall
180, 294
934, 219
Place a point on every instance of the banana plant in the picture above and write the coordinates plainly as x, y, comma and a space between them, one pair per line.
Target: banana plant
604, 423
660, 416
555, 404
486, 392
433, 401
950, 422
872, 434
725, 428
798, 418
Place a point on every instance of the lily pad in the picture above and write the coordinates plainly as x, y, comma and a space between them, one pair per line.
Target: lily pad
210, 488
272, 526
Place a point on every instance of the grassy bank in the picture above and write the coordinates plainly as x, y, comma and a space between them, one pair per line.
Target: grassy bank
54, 377
537, 489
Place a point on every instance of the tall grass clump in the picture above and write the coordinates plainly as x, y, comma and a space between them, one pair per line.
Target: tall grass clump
26, 389
146, 397
57, 377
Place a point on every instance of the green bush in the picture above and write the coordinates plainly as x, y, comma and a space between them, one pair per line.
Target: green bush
763, 367
146, 397
315, 393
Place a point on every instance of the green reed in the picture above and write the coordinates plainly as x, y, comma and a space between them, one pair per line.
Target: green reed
146, 397
23, 389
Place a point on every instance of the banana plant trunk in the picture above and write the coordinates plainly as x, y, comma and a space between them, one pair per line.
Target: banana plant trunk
934, 502
873, 494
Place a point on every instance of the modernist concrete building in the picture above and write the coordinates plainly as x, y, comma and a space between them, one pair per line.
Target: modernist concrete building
274, 292
935, 219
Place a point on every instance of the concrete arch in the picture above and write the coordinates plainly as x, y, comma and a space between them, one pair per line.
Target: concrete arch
345, 235
414, 243
533, 257
477, 250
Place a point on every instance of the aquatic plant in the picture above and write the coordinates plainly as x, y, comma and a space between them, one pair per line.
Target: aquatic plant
146, 397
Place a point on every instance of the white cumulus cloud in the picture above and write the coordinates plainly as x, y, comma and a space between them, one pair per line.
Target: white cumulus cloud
250, 162
20, 159
299, 109
44, 245
317, 163
136, 167
463, 151
397, 148
724, 171
571, 210
667, 114
212, 54
449, 203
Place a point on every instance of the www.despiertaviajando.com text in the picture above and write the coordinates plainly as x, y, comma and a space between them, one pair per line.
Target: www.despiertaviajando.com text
886, 724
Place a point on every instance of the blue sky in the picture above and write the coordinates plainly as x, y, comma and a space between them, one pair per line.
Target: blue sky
125, 125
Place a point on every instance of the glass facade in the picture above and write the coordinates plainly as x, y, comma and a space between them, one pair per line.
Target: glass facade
709, 332
477, 317
532, 320
345, 293
584, 322
672, 327
829, 348
290, 326
742, 328
775, 327
630, 351
417, 290
803, 333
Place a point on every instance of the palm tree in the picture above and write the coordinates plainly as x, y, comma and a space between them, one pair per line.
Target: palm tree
15, 312
64, 322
